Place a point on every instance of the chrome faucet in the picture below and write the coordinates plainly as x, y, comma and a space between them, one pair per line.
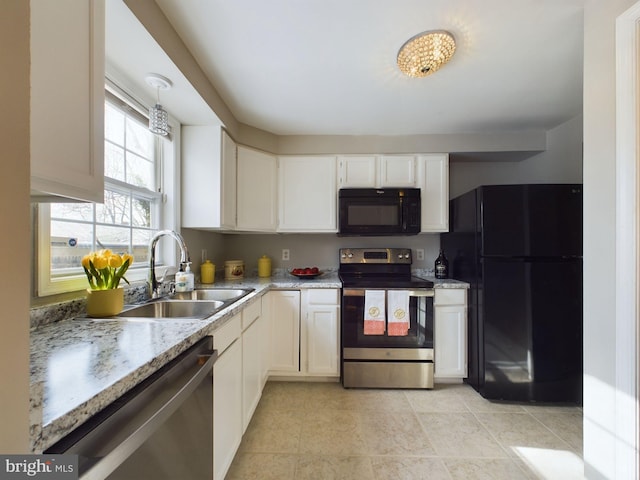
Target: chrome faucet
153, 283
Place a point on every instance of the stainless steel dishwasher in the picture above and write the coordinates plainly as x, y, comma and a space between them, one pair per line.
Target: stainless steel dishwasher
161, 429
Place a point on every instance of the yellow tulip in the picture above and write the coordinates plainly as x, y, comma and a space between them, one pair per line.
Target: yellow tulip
109, 268
100, 262
115, 261
85, 261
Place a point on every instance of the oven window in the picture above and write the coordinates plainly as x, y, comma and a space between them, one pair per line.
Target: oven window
373, 215
420, 333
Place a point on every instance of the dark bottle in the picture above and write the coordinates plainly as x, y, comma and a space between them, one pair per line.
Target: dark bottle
442, 266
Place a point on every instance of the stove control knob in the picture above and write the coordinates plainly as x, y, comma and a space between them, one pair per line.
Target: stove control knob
406, 255
350, 255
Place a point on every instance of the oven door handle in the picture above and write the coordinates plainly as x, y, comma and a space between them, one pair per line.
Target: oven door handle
359, 292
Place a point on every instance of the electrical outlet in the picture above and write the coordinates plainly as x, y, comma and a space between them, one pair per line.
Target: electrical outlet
285, 254
420, 254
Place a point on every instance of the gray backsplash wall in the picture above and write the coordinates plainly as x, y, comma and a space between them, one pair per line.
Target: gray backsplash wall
306, 250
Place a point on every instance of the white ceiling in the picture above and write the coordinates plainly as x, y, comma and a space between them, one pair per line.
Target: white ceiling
323, 67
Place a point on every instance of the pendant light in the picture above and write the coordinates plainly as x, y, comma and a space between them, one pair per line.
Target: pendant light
158, 116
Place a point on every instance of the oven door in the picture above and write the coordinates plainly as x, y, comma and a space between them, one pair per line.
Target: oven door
385, 361
419, 336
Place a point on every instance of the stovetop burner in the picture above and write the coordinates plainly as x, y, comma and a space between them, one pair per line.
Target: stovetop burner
378, 268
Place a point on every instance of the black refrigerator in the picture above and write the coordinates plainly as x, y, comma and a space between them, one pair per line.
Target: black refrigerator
520, 249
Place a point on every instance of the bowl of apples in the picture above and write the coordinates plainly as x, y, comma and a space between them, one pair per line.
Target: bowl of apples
306, 272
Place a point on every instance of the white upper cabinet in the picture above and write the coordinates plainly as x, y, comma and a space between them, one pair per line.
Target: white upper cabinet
256, 191
397, 171
433, 180
358, 171
67, 99
307, 194
208, 178
371, 171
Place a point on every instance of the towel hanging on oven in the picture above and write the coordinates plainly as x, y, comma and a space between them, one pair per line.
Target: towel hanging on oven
374, 312
398, 312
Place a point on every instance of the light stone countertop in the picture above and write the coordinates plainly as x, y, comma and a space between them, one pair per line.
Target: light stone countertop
81, 365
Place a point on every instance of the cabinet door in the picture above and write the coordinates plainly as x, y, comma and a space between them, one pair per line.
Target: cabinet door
358, 171
265, 335
320, 349
307, 200
397, 171
67, 99
450, 341
256, 190
322, 324
434, 183
228, 187
251, 370
227, 408
285, 331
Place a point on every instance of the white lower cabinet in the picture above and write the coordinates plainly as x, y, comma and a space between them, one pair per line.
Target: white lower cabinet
227, 396
284, 338
252, 345
450, 333
320, 347
305, 332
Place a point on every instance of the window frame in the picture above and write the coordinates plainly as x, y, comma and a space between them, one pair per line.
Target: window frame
167, 196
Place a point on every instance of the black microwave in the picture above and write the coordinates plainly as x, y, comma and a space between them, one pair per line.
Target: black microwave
379, 211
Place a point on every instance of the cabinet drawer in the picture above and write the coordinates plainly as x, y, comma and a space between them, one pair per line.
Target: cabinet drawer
225, 335
322, 296
450, 296
250, 314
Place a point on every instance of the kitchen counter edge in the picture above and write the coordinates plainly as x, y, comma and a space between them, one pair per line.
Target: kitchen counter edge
114, 356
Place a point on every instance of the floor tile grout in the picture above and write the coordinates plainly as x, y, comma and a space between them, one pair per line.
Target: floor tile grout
265, 449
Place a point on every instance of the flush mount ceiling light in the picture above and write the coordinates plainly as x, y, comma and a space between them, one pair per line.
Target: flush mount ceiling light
158, 116
426, 53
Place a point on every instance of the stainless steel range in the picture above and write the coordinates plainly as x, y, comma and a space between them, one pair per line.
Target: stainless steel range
386, 320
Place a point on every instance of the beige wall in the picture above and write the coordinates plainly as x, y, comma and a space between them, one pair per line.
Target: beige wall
15, 224
561, 162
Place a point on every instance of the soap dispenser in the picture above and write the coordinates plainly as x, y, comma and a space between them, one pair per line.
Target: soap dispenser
190, 278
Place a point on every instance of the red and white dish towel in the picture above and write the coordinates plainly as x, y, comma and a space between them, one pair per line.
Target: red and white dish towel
374, 312
398, 312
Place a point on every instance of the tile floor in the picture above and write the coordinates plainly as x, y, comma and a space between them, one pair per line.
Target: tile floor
321, 431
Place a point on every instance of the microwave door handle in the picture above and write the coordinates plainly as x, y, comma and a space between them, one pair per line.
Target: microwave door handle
404, 214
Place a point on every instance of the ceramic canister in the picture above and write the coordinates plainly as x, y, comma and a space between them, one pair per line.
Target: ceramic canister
264, 266
207, 272
233, 269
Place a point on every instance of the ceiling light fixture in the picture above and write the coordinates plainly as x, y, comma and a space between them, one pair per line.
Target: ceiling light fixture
158, 116
426, 53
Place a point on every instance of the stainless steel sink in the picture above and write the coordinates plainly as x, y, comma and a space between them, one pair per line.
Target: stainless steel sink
171, 310
198, 304
218, 294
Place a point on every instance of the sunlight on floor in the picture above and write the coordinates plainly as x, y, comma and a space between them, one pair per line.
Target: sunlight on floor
552, 464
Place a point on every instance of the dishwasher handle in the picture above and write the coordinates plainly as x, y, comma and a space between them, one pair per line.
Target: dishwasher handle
144, 424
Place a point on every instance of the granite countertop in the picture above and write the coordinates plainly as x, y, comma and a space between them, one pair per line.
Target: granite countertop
81, 365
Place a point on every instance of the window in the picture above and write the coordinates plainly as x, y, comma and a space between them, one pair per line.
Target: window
128, 218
